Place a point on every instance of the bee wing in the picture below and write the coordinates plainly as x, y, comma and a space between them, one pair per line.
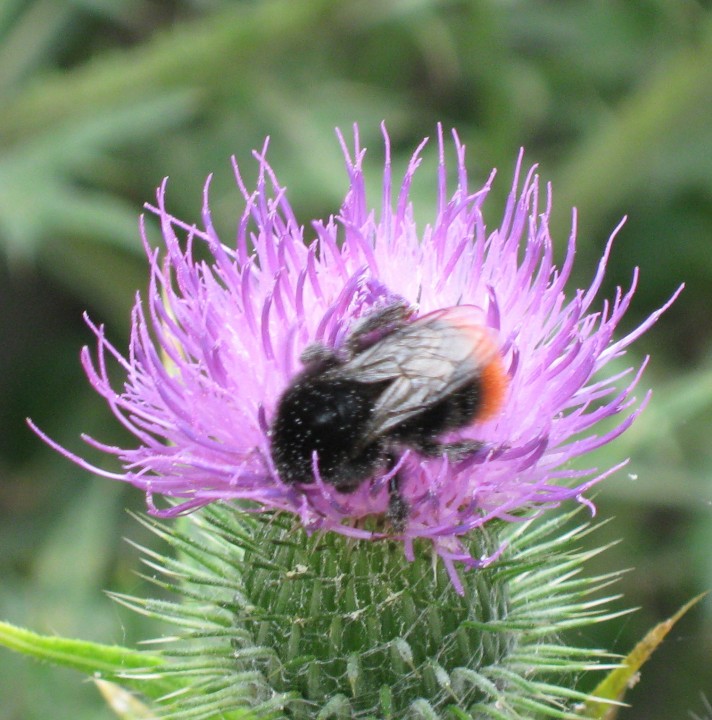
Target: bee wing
424, 361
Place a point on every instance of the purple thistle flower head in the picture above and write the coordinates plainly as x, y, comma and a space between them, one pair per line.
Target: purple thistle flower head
214, 345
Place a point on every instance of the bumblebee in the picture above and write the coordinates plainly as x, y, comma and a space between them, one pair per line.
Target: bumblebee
397, 383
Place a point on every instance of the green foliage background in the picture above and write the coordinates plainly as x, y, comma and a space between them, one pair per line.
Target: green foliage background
100, 99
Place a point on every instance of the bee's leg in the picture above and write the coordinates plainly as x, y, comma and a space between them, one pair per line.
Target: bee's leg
318, 355
389, 317
455, 451
398, 508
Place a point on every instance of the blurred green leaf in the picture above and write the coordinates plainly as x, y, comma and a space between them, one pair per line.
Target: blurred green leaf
614, 686
624, 149
42, 192
123, 703
25, 38
93, 659
67, 593
192, 55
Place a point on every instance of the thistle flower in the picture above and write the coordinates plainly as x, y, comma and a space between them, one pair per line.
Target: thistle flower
279, 618
214, 344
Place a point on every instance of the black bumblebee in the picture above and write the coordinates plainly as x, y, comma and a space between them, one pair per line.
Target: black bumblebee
397, 383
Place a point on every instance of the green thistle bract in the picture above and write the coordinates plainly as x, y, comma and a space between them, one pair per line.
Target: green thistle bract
292, 626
